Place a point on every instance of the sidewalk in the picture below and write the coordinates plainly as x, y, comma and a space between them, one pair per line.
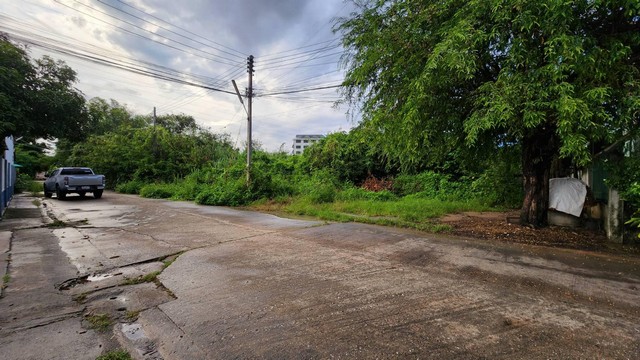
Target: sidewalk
20, 214
36, 320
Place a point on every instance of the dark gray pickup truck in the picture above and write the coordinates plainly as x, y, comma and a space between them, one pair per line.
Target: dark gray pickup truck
79, 180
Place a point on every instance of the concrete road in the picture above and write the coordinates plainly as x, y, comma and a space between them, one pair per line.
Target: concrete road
238, 284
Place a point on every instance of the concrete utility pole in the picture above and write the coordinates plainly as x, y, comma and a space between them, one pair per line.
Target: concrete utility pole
249, 110
154, 142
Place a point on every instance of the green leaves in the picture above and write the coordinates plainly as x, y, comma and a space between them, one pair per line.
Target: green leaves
478, 69
38, 99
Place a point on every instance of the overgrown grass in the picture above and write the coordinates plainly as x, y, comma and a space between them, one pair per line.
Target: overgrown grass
81, 298
99, 322
24, 184
130, 187
115, 355
5, 281
57, 224
159, 191
131, 315
35, 187
409, 211
150, 277
414, 201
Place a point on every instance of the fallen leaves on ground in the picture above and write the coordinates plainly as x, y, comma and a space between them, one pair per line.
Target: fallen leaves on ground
495, 226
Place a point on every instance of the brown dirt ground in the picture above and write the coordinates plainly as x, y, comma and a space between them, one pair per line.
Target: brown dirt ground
503, 226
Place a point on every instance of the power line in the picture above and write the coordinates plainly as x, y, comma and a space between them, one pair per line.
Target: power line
243, 55
300, 90
89, 50
268, 56
147, 38
106, 62
298, 55
169, 30
284, 63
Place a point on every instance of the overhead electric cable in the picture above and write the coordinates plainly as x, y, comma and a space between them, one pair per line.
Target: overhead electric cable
169, 30
103, 61
181, 28
300, 90
148, 38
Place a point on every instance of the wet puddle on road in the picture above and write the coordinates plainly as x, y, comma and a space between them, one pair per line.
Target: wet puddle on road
71, 283
99, 277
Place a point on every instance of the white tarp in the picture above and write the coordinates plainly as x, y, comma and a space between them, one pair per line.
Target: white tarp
567, 195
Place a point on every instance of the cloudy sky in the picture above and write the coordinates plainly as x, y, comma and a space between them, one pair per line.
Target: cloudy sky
112, 43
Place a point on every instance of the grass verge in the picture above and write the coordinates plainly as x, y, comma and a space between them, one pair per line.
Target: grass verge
408, 212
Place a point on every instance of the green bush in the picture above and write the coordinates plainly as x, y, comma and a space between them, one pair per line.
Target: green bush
353, 193
427, 182
499, 189
623, 176
229, 193
432, 185
187, 190
130, 187
24, 183
319, 188
159, 191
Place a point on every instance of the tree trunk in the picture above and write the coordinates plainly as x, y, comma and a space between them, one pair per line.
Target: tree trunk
538, 149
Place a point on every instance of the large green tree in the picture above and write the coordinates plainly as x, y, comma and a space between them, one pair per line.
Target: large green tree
38, 98
147, 152
110, 116
558, 78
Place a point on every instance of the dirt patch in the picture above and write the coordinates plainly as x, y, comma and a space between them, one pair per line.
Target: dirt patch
502, 226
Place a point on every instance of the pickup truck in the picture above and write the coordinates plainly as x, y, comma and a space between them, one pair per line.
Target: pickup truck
79, 180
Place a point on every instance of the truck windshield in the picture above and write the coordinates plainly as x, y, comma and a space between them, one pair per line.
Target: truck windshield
76, 172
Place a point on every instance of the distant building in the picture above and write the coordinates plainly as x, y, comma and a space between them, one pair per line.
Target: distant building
301, 142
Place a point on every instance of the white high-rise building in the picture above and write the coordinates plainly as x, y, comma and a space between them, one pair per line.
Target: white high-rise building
301, 142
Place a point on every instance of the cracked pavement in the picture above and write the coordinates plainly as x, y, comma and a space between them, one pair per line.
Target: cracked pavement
182, 281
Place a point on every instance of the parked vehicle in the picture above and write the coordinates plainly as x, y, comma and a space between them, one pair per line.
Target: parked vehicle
79, 180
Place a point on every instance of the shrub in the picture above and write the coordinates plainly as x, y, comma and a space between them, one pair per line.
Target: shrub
353, 193
229, 193
319, 188
432, 185
24, 183
495, 190
130, 187
427, 182
159, 191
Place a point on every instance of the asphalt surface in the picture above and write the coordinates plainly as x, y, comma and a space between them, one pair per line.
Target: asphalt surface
223, 283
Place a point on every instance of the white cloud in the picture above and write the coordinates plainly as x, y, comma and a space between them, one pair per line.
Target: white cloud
230, 30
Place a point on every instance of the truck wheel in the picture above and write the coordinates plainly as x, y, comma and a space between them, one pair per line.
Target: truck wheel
61, 194
47, 194
97, 194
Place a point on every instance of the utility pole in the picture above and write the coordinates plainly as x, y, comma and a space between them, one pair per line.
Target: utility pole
154, 143
249, 110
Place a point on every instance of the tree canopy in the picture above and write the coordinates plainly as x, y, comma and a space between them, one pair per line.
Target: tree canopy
125, 146
557, 78
38, 98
